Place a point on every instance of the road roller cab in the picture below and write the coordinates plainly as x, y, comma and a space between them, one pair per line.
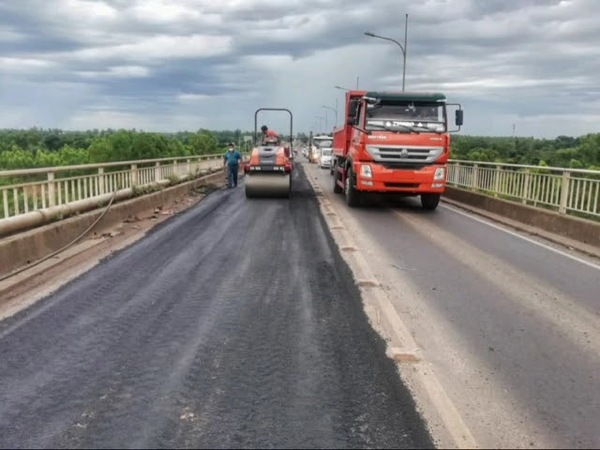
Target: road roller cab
268, 172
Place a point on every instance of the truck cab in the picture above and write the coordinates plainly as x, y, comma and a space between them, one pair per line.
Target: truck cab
394, 143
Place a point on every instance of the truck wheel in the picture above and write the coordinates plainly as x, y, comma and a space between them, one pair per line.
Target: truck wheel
352, 195
336, 187
430, 202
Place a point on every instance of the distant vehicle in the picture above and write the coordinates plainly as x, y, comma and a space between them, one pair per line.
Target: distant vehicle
325, 158
322, 143
314, 154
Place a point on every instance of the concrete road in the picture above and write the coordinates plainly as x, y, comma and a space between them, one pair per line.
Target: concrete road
510, 325
235, 324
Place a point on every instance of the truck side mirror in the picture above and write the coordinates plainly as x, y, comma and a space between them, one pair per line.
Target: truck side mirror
458, 117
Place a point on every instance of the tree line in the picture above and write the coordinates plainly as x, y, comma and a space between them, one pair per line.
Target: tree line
38, 147
574, 152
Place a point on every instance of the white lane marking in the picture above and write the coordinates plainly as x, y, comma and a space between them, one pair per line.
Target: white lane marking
532, 241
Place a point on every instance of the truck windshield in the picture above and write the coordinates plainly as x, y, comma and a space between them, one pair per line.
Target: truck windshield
406, 116
326, 152
324, 143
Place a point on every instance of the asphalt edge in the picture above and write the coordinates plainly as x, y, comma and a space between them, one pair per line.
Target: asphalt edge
446, 426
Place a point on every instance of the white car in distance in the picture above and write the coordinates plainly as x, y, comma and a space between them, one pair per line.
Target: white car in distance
325, 158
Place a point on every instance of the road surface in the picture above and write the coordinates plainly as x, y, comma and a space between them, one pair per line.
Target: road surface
235, 324
510, 325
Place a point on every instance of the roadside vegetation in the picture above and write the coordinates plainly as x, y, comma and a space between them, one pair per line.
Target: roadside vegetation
35, 147
564, 151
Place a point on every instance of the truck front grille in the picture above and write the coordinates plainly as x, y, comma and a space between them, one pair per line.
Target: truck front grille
405, 155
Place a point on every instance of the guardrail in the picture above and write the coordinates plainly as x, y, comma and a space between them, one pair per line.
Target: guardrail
29, 197
567, 191
31, 189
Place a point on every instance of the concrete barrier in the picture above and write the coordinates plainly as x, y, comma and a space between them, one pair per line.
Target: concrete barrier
27, 247
581, 230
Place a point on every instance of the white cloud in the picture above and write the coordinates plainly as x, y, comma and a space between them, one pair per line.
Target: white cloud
143, 63
90, 11
118, 72
193, 97
23, 64
155, 48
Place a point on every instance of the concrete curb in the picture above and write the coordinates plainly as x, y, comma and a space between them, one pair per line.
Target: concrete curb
580, 234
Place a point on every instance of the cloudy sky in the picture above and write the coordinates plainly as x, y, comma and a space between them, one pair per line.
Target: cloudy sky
166, 65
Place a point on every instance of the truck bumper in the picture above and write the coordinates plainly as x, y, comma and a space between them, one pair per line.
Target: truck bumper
430, 179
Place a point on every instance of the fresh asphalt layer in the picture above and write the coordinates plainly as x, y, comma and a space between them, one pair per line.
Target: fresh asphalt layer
234, 324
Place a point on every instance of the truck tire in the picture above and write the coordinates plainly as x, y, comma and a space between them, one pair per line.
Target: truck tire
430, 202
352, 195
336, 187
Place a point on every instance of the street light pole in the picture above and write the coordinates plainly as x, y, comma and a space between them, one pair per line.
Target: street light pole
403, 48
320, 119
332, 109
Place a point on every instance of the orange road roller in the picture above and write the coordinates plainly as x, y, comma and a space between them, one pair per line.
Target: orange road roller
268, 173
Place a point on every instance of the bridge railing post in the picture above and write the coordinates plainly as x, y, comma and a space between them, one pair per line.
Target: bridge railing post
497, 175
134, 175
51, 190
564, 192
101, 188
526, 182
475, 177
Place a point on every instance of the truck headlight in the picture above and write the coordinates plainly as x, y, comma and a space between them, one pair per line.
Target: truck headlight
440, 174
365, 171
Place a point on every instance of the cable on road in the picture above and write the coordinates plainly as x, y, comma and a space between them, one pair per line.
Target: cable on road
60, 250
70, 244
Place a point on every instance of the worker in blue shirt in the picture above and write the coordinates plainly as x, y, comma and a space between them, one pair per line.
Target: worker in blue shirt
232, 159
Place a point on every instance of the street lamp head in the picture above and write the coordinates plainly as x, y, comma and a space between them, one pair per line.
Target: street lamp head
368, 33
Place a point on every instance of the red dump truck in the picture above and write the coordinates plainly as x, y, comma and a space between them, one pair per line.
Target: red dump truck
393, 143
